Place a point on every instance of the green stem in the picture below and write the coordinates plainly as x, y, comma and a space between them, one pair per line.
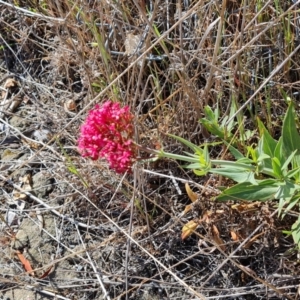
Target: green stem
215, 162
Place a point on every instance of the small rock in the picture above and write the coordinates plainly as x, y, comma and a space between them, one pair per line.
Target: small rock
42, 184
20, 241
42, 135
9, 155
19, 123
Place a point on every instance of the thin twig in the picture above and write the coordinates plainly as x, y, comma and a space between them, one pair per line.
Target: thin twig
132, 240
96, 272
275, 71
209, 81
33, 14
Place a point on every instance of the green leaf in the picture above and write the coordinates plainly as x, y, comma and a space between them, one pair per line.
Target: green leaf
293, 201
266, 147
263, 157
253, 153
296, 232
287, 232
296, 165
217, 113
233, 110
235, 152
211, 123
245, 160
213, 128
276, 166
233, 164
198, 166
265, 190
286, 189
264, 160
190, 158
281, 203
200, 172
249, 134
288, 160
279, 153
206, 157
292, 173
236, 174
210, 115
223, 122
192, 146
193, 166
290, 135
268, 144
190, 154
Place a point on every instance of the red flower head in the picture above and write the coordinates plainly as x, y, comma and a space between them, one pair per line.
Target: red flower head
107, 133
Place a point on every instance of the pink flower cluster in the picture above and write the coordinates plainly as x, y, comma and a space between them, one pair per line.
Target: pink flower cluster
107, 133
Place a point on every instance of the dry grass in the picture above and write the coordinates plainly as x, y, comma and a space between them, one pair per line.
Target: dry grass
101, 236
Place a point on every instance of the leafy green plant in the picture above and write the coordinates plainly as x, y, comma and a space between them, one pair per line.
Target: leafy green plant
267, 171
212, 124
222, 128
